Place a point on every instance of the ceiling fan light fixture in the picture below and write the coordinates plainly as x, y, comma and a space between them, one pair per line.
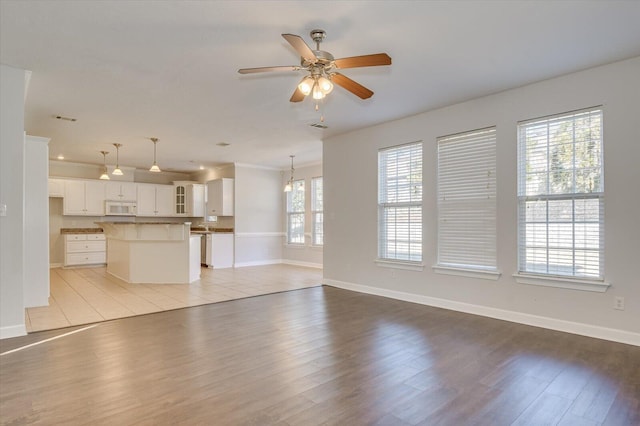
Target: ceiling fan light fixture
306, 85
317, 92
325, 85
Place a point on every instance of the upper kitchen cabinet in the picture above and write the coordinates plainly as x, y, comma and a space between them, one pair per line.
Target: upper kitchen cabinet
195, 200
56, 188
83, 198
121, 191
155, 200
220, 197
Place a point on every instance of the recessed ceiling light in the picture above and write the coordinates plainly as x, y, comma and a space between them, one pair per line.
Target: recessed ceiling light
201, 167
223, 144
60, 157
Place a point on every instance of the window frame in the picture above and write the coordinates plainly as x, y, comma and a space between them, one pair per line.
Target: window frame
317, 213
292, 214
410, 207
552, 241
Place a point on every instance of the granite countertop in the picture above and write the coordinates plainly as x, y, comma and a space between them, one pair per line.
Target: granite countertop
211, 230
81, 230
142, 223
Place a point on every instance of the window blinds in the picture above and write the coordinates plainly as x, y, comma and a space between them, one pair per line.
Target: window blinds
467, 200
400, 203
560, 195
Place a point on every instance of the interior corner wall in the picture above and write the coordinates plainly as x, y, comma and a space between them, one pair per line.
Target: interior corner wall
350, 188
12, 87
306, 254
258, 213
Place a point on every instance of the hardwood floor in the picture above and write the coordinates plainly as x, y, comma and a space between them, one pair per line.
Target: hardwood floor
317, 356
88, 295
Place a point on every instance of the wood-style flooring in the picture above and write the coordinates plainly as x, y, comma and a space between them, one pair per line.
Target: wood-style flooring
317, 356
88, 295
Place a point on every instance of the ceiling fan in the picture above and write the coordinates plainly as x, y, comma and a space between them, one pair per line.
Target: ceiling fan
321, 67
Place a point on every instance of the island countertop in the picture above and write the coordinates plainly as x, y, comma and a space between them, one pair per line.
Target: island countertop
81, 230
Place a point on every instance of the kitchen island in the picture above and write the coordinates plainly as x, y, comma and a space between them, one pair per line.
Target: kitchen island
152, 252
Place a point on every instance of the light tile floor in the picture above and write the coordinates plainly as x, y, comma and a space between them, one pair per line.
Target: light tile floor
88, 295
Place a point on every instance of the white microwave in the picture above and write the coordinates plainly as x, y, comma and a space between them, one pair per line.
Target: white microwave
119, 208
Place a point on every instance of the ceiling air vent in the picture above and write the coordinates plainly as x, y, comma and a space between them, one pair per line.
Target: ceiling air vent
319, 126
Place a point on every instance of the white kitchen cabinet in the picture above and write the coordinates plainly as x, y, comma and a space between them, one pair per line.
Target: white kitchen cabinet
83, 198
85, 249
155, 200
220, 197
195, 200
180, 198
120, 191
56, 188
219, 250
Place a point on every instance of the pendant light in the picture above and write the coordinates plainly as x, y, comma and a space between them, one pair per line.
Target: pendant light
117, 170
105, 174
154, 168
289, 186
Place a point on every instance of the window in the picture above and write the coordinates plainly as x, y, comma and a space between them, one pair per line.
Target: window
316, 211
295, 213
467, 200
400, 203
560, 195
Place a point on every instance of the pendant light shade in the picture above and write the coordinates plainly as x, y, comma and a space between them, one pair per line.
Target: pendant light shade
105, 174
117, 171
154, 168
289, 186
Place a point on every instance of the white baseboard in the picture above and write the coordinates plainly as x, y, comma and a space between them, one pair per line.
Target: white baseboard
55, 265
257, 263
299, 263
13, 331
582, 329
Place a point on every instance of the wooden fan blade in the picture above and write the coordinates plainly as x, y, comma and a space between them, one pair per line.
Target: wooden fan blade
267, 69
297, 96
364, 61
355, 88
301, 47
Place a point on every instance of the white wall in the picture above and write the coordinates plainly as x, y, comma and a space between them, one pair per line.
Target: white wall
258, 215
307, 254
350, 184
12, 88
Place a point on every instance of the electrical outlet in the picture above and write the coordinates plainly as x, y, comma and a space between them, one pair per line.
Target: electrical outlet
618, 303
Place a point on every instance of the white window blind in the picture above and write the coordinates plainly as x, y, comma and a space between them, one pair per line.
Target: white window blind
316, 211
560, 195
400, 203
467, 200
295, 213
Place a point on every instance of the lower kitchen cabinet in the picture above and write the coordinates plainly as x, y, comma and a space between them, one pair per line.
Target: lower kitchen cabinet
85, 249
219, 250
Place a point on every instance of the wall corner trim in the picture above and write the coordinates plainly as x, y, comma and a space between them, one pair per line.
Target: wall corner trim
615, 335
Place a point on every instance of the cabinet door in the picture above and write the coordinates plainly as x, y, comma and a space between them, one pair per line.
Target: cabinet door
165, 205
128, 191
56, 188
112, 191
180, 198
146, 200
94, 198
220, 197
73, 201
195, 200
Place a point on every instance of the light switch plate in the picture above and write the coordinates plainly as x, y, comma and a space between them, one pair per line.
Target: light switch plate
3, 209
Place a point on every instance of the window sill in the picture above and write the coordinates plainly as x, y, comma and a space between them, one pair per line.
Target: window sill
399, 264
467, 272
562, 282
295, 245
